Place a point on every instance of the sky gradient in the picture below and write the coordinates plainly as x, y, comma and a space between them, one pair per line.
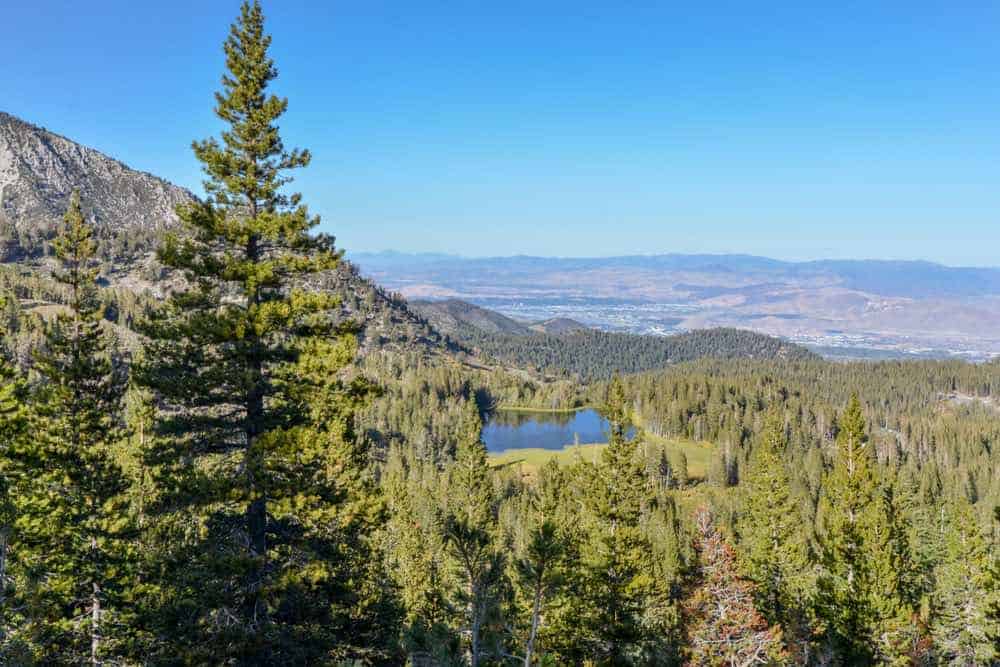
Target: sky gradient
859, 130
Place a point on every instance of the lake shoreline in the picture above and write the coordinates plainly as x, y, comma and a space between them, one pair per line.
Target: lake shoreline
554, 411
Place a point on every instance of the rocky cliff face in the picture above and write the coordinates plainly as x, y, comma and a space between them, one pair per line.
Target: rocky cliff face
40, 169
130, 210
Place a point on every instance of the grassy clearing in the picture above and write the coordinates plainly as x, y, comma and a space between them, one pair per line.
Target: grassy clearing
531, 459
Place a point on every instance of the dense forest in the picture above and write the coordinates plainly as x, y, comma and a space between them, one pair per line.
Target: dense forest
590, 354
237, 474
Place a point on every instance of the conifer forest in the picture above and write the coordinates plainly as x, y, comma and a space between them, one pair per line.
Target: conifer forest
241, 471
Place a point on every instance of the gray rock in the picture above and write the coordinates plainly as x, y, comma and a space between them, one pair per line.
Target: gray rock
40, 169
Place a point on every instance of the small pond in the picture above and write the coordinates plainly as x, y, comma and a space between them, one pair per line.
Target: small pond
515, 429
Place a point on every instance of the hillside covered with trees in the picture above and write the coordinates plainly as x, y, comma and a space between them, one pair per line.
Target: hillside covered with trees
590, 354
274, 462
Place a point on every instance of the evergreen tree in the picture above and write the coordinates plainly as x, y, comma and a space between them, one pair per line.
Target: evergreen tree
560, 638
679, 467
898, 635
540, 556
72, 534
417, 555
265, 494
538, 572
966, 626
616, 550
864, 592
774, 548
470, 527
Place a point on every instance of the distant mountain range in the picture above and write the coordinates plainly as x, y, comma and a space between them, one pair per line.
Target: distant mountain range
841, 307
847, 308
915, 279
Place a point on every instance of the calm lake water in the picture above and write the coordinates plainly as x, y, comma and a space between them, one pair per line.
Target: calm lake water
510, 429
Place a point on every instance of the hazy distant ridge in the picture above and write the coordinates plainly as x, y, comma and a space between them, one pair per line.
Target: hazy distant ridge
900, 308
916, 278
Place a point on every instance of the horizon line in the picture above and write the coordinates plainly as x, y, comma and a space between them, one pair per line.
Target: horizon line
819, 260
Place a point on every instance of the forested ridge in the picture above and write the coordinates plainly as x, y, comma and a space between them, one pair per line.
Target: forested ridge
585, 354
591, 354
277, 464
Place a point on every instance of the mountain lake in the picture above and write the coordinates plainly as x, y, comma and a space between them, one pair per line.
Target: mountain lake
520, 429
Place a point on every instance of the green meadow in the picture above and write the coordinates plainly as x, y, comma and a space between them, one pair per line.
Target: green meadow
531, 459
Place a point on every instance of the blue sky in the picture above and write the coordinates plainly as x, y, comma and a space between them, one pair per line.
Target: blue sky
856, 129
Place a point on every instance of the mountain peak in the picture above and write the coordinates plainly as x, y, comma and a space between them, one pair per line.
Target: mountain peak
39, 169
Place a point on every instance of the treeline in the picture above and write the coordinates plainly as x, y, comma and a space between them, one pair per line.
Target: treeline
917, 420
590, 354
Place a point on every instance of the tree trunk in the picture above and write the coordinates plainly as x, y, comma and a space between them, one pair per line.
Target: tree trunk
256, 512
536, 607
476, 601
474, 641
3, 582
95, 624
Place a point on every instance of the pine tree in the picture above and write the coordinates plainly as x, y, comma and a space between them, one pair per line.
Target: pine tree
265, 496
470, 526
774, 549
616, 551
722, 625
897, 634
540, 560
679, 467
538, 572
966, 625
560, 639
864, 596
72, 534
418, 558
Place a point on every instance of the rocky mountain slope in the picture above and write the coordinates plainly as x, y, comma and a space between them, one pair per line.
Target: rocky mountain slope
40, 169
130, 210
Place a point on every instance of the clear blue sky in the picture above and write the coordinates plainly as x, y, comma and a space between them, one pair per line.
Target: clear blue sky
858, 129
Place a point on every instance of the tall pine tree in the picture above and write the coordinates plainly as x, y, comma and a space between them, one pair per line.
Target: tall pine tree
540, 555
265, 491
864, 595
774, 546
72, 534
13, 429
470, 528
616, 551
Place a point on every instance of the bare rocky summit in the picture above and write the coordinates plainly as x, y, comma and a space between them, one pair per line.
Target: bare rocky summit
40, 169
